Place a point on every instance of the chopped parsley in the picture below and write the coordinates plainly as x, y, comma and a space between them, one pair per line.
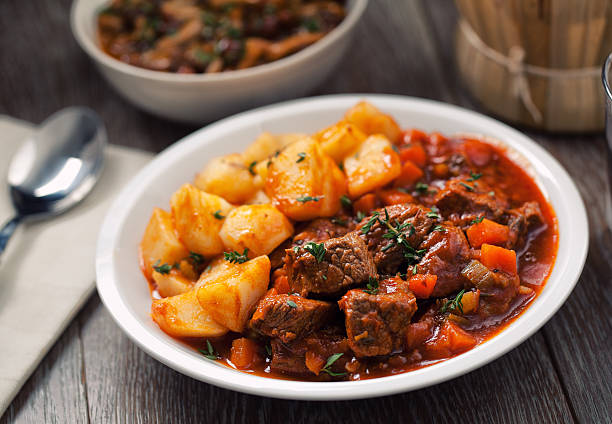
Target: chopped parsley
210, 351
305, 199
292, 304
434, 213
301, 157
440, 229
415, 270
467, 186
345, 201
454, 304
252, 166
474, 176
339, 221
296, 249
316, 250
360, 216
237, 258
330, 361
163, 268
196, 258
477, 220
269, 350
421, 188
218, 215
372, 286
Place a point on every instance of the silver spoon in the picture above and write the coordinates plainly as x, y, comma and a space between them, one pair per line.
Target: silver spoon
56, 167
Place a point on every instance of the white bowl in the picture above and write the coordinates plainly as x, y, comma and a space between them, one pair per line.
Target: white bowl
125, 292
201, 98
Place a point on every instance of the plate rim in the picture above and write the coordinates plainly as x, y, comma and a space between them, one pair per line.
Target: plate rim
222, 376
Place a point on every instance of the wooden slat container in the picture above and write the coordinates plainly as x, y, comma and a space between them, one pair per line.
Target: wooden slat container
537, 62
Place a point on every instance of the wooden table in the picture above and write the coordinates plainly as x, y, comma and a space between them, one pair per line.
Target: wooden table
94, 373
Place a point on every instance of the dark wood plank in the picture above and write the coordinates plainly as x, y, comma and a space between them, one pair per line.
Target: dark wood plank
55, 393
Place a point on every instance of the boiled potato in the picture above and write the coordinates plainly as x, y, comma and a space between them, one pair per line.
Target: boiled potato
267, 145
160, 243
371, 121
227, 177
373, 165
259, 198
259, 228
183, 316
232, 294
172, 283
216, 268
304, 183
340, 139
195, 221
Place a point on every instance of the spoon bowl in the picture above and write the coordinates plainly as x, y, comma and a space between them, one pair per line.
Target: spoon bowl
56, 167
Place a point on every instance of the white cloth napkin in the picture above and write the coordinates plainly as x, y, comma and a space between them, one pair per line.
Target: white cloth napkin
47, 271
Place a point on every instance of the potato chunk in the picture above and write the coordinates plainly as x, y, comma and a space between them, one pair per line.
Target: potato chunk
267, 145
183, 316
304, 183
259, 228
372, 166
172, 283
227, 177
160, 243
340, 139
194, 217
371, 121
230, 296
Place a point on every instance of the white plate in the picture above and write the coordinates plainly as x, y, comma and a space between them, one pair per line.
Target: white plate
125, 293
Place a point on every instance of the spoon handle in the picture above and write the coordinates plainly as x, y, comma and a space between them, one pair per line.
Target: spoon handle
7, 231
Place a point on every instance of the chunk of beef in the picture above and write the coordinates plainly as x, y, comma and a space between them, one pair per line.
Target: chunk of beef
375, 323
277, 256
388, 255
317, 347
522, 220
345, 263
448, 252
462, 201
321, 229
290, 317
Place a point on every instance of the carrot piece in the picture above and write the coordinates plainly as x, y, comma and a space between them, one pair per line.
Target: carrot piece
422, 285
495, 257
450, 340
487, 231
410, 174
394, 197
415, 154
437, 139
243, 353
440, 170
366, 203
413, 135
314, 362
478, 153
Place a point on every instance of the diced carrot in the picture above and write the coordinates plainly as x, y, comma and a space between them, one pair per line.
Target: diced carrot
394, 197
281, 284
478, 153
422, 285
440, 170
495, 257
243, 353
366, 203
487, 231
450, 340
413, 135
414, 153
314, 362
437, 139
410, 175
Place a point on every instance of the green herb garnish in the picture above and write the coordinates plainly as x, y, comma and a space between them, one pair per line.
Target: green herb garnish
292, 304
218, 215
269, 350
316, 250
329, 363
474, 176
301, 157
373, 219
467, 186
235, 257
372, 286
422, 188
339, 221
305, 199
454, 304
345, 201
434, 213
440, 229
477, 220
360, 216
210, 352
252, 166
163, 268
415, 270
196, 258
